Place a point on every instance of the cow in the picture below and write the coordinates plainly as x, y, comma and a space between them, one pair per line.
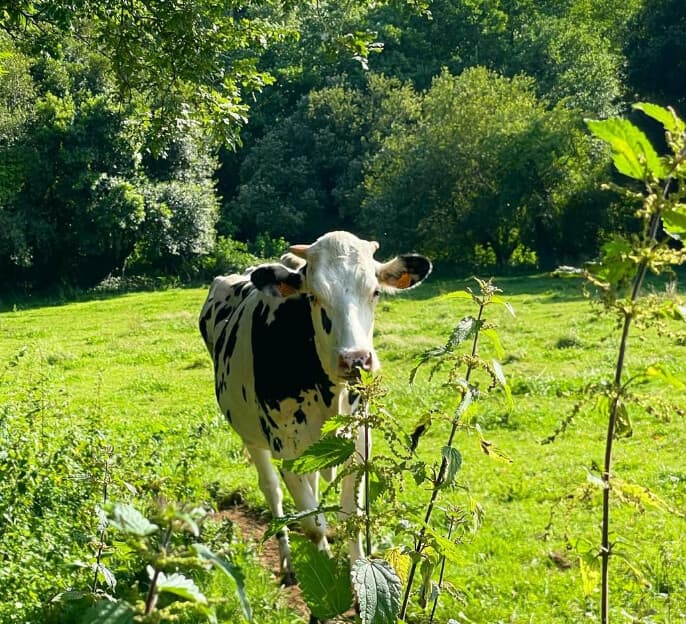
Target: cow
286, 339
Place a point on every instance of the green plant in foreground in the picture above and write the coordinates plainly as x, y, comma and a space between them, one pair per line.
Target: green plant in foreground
659, 186
379, 577
468, 329
169, 593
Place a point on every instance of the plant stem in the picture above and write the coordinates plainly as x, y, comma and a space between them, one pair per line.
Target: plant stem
440, 576
101, 544
367, 503
151, 599
437, 484
605, 546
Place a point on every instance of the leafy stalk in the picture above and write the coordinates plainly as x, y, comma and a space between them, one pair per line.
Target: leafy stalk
635, 157
438, 482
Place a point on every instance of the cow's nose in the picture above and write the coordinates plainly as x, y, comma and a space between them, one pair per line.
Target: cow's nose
349, 361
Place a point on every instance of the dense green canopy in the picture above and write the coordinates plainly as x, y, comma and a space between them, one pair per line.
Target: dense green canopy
134, 133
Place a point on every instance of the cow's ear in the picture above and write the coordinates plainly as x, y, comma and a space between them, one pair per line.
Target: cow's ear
277, 280
403, 272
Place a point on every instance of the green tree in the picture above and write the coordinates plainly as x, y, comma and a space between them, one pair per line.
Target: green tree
486, 169
656, 52
305, 175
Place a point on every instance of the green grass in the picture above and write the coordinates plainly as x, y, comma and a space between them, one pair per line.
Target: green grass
137, 367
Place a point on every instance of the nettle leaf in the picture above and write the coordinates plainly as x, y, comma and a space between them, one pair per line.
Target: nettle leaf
179, 585
665, 116
106, 574
232, 571
378, 590
106, 612
657, 371
674, 221
500, 376
464, 330
335, 423
623, 428
400, 561
632, 153
458, 294
279, 523
128, 519
500, 301
453, 464
324, 581
494, 339
325, 453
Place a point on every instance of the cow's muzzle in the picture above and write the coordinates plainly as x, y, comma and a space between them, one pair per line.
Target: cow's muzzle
351, 362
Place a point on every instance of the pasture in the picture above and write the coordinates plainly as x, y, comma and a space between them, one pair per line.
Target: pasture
128, 377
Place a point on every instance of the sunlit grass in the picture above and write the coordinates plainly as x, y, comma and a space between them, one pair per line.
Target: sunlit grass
137, 363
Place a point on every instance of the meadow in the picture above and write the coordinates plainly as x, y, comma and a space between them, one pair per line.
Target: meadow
127, 377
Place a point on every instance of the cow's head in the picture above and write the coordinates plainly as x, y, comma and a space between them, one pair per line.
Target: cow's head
339, 274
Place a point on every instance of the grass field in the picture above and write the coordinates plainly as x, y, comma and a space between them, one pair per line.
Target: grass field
135, 368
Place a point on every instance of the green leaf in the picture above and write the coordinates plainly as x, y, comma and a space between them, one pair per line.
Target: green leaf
492, 335
179, 585
378, 589
188, 521
232, 571
632, 153
324, 582
500, 301
666, 117
279, 523
623, 426
674, 221
657, 371
458, 294
464, 330
500, 376
128, 519
334, 423
325, 453
106, 612
453, 461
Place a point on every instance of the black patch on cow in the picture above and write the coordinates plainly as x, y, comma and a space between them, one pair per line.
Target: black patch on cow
228, 416
203, 330
277, 444
223, 313
300, 416
245, 398
265, 429
326, 321
218, 343
231, 342
352, 397
280, 534
285, 360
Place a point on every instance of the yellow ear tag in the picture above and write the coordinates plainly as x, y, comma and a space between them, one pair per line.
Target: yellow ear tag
285, 289
404, 281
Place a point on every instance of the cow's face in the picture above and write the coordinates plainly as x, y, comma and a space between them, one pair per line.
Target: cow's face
343, 281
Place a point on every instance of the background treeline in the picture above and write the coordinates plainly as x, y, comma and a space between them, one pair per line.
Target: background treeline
454, 127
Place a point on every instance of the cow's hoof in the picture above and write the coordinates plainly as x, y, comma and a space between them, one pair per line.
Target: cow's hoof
288, 579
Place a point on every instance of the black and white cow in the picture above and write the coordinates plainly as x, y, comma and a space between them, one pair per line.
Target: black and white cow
285, 338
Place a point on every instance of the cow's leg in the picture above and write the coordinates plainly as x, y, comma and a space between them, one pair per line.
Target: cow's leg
304, 490
352, 496
271, 488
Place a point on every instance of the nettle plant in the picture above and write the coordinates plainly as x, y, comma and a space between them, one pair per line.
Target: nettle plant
658, 187
407, 544
166, 548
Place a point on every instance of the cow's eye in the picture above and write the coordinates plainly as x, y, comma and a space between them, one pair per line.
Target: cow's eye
377, 293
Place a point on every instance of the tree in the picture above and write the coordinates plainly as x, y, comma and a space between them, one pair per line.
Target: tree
656, 52
485, 169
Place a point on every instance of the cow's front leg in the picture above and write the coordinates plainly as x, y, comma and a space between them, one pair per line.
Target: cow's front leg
304, 490
269, 484
352, 496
